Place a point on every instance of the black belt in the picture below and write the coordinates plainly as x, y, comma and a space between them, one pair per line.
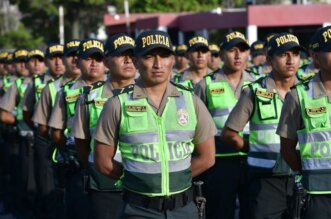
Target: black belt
160, 203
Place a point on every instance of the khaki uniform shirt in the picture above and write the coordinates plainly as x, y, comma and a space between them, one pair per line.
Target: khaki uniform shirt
29, 96
81, 127
10, 99
44, 107
291, 118
243, 110
108, 124
58, 118
200, 88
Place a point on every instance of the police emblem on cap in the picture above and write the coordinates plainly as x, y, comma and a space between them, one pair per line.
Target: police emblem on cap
182, 117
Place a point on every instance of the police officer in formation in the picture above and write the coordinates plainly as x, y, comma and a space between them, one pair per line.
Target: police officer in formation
220, 92
260, 104
104, 195
115, 147
157, 126
305, 120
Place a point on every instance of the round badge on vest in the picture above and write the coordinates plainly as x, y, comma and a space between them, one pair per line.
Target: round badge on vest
182, 117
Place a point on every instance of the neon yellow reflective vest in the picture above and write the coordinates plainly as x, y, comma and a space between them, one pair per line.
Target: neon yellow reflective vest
220, 102
178, 78
6, 83
156, 150
95, 102
21, 88
38, 86
315, 140
264, 144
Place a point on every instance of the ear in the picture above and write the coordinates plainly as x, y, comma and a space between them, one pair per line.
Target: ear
135, 62
106, 61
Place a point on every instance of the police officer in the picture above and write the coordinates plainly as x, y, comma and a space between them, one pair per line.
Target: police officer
181, 60
220, 92
214, 62
156, 146
105, 197
50, 196
305, 119
198, 55
36, 66
90, 62
260, 105
11, 114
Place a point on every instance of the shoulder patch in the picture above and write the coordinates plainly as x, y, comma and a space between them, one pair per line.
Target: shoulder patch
95, 85
125, 89
181, 86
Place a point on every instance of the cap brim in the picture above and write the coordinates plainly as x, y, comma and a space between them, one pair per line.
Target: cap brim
257, 53
196, 46
290, 46
326, 48
90, 52
19, 59
150, 48
70, 51
54, 54
34, 56
121, 50
235, 42
180, 53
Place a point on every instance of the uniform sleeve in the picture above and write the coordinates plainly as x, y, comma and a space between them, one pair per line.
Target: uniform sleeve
28, 99
242, 111
80, 125
58, 116
43, 110
8, 101
200, 91
290, 120
107, 127
205, 125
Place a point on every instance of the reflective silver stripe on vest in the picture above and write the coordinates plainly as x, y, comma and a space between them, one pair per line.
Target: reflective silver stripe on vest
155, 168
316, 164
260, 162
220, 112
142, 138
314, 137
138, 138
274, 148
257, 127
180, 135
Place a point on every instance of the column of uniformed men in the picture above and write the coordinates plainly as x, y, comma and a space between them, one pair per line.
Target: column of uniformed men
83, 137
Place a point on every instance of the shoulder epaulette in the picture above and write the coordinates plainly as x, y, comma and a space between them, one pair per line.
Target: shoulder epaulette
182, 86
125, 89
93, 86
211, 74
303, 82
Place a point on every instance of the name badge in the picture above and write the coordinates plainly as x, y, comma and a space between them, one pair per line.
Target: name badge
217, 90
316, 110
133, 108
265, 94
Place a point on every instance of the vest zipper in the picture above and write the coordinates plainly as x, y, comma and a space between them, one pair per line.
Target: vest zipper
164, 158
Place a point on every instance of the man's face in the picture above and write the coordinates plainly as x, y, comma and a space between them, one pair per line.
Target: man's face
181, 61
121, 66
155, 67
214, 61
20, 68
235, 58
36, 65
9, 67
55, 65
70, 63
92, 68
2, 68
323, 60
199, 58
285, 64
258, 59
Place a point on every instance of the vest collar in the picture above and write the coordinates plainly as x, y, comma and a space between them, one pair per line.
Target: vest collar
139, 90
318, 89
